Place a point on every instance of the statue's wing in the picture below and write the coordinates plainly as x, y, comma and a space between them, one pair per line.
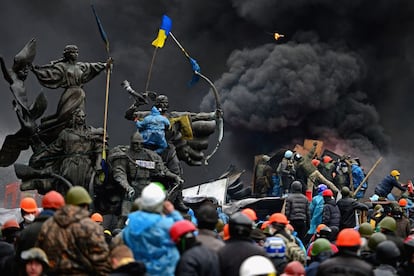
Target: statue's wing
26, 56
12, 146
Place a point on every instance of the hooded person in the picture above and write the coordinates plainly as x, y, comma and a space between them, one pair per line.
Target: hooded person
195, 258
316, 211
147, 231
71, 233
297, 210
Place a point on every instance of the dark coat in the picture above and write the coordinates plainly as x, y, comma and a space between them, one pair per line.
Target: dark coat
331, 214
297, 207
386, 185
233, 254
345, 263
198, 261
347, 207
130, 269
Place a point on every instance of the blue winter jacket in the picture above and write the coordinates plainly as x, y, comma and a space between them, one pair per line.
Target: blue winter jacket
386, 185
147, 234
316, 210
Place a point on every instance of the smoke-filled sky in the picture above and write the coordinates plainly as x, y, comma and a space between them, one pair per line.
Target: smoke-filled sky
342, 73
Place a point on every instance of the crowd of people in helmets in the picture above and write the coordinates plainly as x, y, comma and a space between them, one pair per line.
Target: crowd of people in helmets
317, 232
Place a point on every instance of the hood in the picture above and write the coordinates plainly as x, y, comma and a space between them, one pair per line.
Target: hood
155, 111
69, 214
139, 221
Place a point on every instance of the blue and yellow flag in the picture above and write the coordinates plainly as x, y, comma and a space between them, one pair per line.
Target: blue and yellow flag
163, 32
101, 29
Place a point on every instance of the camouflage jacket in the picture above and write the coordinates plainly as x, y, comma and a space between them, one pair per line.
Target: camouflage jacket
74, 244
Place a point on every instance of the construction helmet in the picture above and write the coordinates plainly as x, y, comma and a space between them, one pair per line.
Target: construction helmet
28, 204
275, 247
179, 228
53, 200
240, 225
152, 195
388, 223
325, 232
345, 191
402, 202
326, 159
315, 162
257, 265
297, 157
77, 195
327, 192
278, 218
288, 154
365, 230
375, 239
294, 268
250, 213
321, 245
387, 252
96, 217
10, 224
395, 173
321, 188
348, 237
320, 227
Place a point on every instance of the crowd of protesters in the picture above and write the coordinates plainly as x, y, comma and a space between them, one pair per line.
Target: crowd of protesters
321, 234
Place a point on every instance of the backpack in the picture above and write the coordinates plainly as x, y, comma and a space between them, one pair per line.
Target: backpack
293, 250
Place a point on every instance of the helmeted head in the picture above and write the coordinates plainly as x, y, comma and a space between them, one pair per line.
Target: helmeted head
182, 234
365, 230
402, 202
136, 141
28, 205
348, 237
53, 200
96, 217
388, 224
250, 213
257, 265
395, 174
321, 188
240, 225
345, 191
152, 198
387, 252
275, 247
316, 162
10, 230
161, 103
321, 245
36, 254
288, 154
375, 239
297, 157
294, 268
327, 159
327, 193
78, 195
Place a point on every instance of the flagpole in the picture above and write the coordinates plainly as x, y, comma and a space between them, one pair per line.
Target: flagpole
179, 45
108, 77
150, 69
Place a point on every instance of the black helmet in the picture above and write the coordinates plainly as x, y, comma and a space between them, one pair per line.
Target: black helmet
345, 191
240, 225
387, 252
325, 232
297, 157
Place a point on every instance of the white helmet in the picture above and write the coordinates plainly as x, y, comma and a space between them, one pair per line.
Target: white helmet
288, 154
257, 265
151, 196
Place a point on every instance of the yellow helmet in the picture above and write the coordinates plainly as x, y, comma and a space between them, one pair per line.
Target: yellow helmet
395, 173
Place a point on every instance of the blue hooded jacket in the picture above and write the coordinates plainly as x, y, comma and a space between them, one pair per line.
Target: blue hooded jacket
316, 210
148, 236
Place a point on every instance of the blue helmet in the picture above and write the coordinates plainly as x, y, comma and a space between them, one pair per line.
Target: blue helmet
321, 188
275, 247
288, 154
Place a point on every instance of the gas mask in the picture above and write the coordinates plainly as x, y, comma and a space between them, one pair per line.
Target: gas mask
29, 218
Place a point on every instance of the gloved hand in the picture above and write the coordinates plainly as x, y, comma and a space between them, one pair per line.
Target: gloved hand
178, 180
130, 192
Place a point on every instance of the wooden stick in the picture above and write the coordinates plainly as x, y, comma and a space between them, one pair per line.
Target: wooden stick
368, 174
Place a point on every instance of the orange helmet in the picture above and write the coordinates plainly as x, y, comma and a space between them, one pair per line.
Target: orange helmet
11, 223
348, 237
53, 200
96, 217
402, 202
326, 159
278, 218
319, 227
290, 227
316, 162
28, 204
264, 225
250, 213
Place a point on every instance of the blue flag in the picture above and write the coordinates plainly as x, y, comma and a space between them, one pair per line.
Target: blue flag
196, 68
163, 32
101, 29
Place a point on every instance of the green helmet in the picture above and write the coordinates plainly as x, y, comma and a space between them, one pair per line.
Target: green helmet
321, 245
345, 191
376, 239
388, 223
365, 230
77, 195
